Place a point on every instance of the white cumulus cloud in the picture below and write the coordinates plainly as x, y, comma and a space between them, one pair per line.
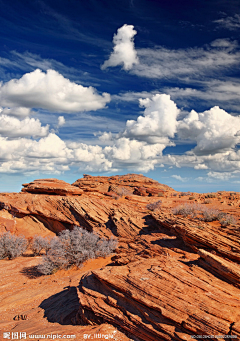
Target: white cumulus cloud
50, 91
13, 127
159, 121
124, 52
214, 130
16, 111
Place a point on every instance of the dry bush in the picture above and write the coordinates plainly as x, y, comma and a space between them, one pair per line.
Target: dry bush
12, 246
123, 191
39, 244
160, 194
184, 193
184, 210
205, 214
73, 248
210, 195
210, 214
154, 205
226, 219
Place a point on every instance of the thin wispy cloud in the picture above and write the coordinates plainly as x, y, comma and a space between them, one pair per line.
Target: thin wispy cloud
231, 22
164, 63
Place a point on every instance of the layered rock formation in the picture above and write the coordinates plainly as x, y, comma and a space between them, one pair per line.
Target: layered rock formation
52, 187
170, 278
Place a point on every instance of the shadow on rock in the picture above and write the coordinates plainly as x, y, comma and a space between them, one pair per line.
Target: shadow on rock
61, 307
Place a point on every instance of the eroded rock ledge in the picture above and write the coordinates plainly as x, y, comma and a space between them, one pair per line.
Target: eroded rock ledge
171, 276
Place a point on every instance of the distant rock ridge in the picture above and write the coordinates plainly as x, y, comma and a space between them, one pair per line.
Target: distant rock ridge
51, 187
134, 184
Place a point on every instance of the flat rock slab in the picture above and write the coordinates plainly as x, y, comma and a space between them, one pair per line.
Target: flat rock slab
52, 187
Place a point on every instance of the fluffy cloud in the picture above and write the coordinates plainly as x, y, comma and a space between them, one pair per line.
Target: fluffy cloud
139, 147
13, 127
158, 123
61, 121
16, 111
50, 91
124, 52
160, 62
214, 130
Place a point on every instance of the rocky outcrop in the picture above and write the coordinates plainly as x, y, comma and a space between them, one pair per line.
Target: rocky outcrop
121, 184
51, 187
227, 270
159, 299
201, 235
170, 278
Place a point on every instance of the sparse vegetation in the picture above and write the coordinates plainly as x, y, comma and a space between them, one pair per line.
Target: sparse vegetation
227, 219
160, 194
207, 201
153, 206
184, 193
39, 244
205, 214
210, 214
123, 191
191, 198
184, 210
210, 195
12, 246
73, 248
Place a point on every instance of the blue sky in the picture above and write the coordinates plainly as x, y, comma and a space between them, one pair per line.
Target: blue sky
115, 87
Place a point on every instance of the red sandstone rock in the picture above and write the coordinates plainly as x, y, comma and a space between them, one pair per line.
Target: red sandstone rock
51, 186
118, 183
171, 277
159, 299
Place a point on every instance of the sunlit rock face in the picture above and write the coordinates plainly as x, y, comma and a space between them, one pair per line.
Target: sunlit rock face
171, 276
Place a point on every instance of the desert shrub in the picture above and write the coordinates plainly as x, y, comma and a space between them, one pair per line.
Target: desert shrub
191, 198
184, 210
210, 195
123, 191
205, 214
73, 248
210, 214
160, 194
12, 246
207, 201
154, 205
39, 244
184, 193
226, 219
